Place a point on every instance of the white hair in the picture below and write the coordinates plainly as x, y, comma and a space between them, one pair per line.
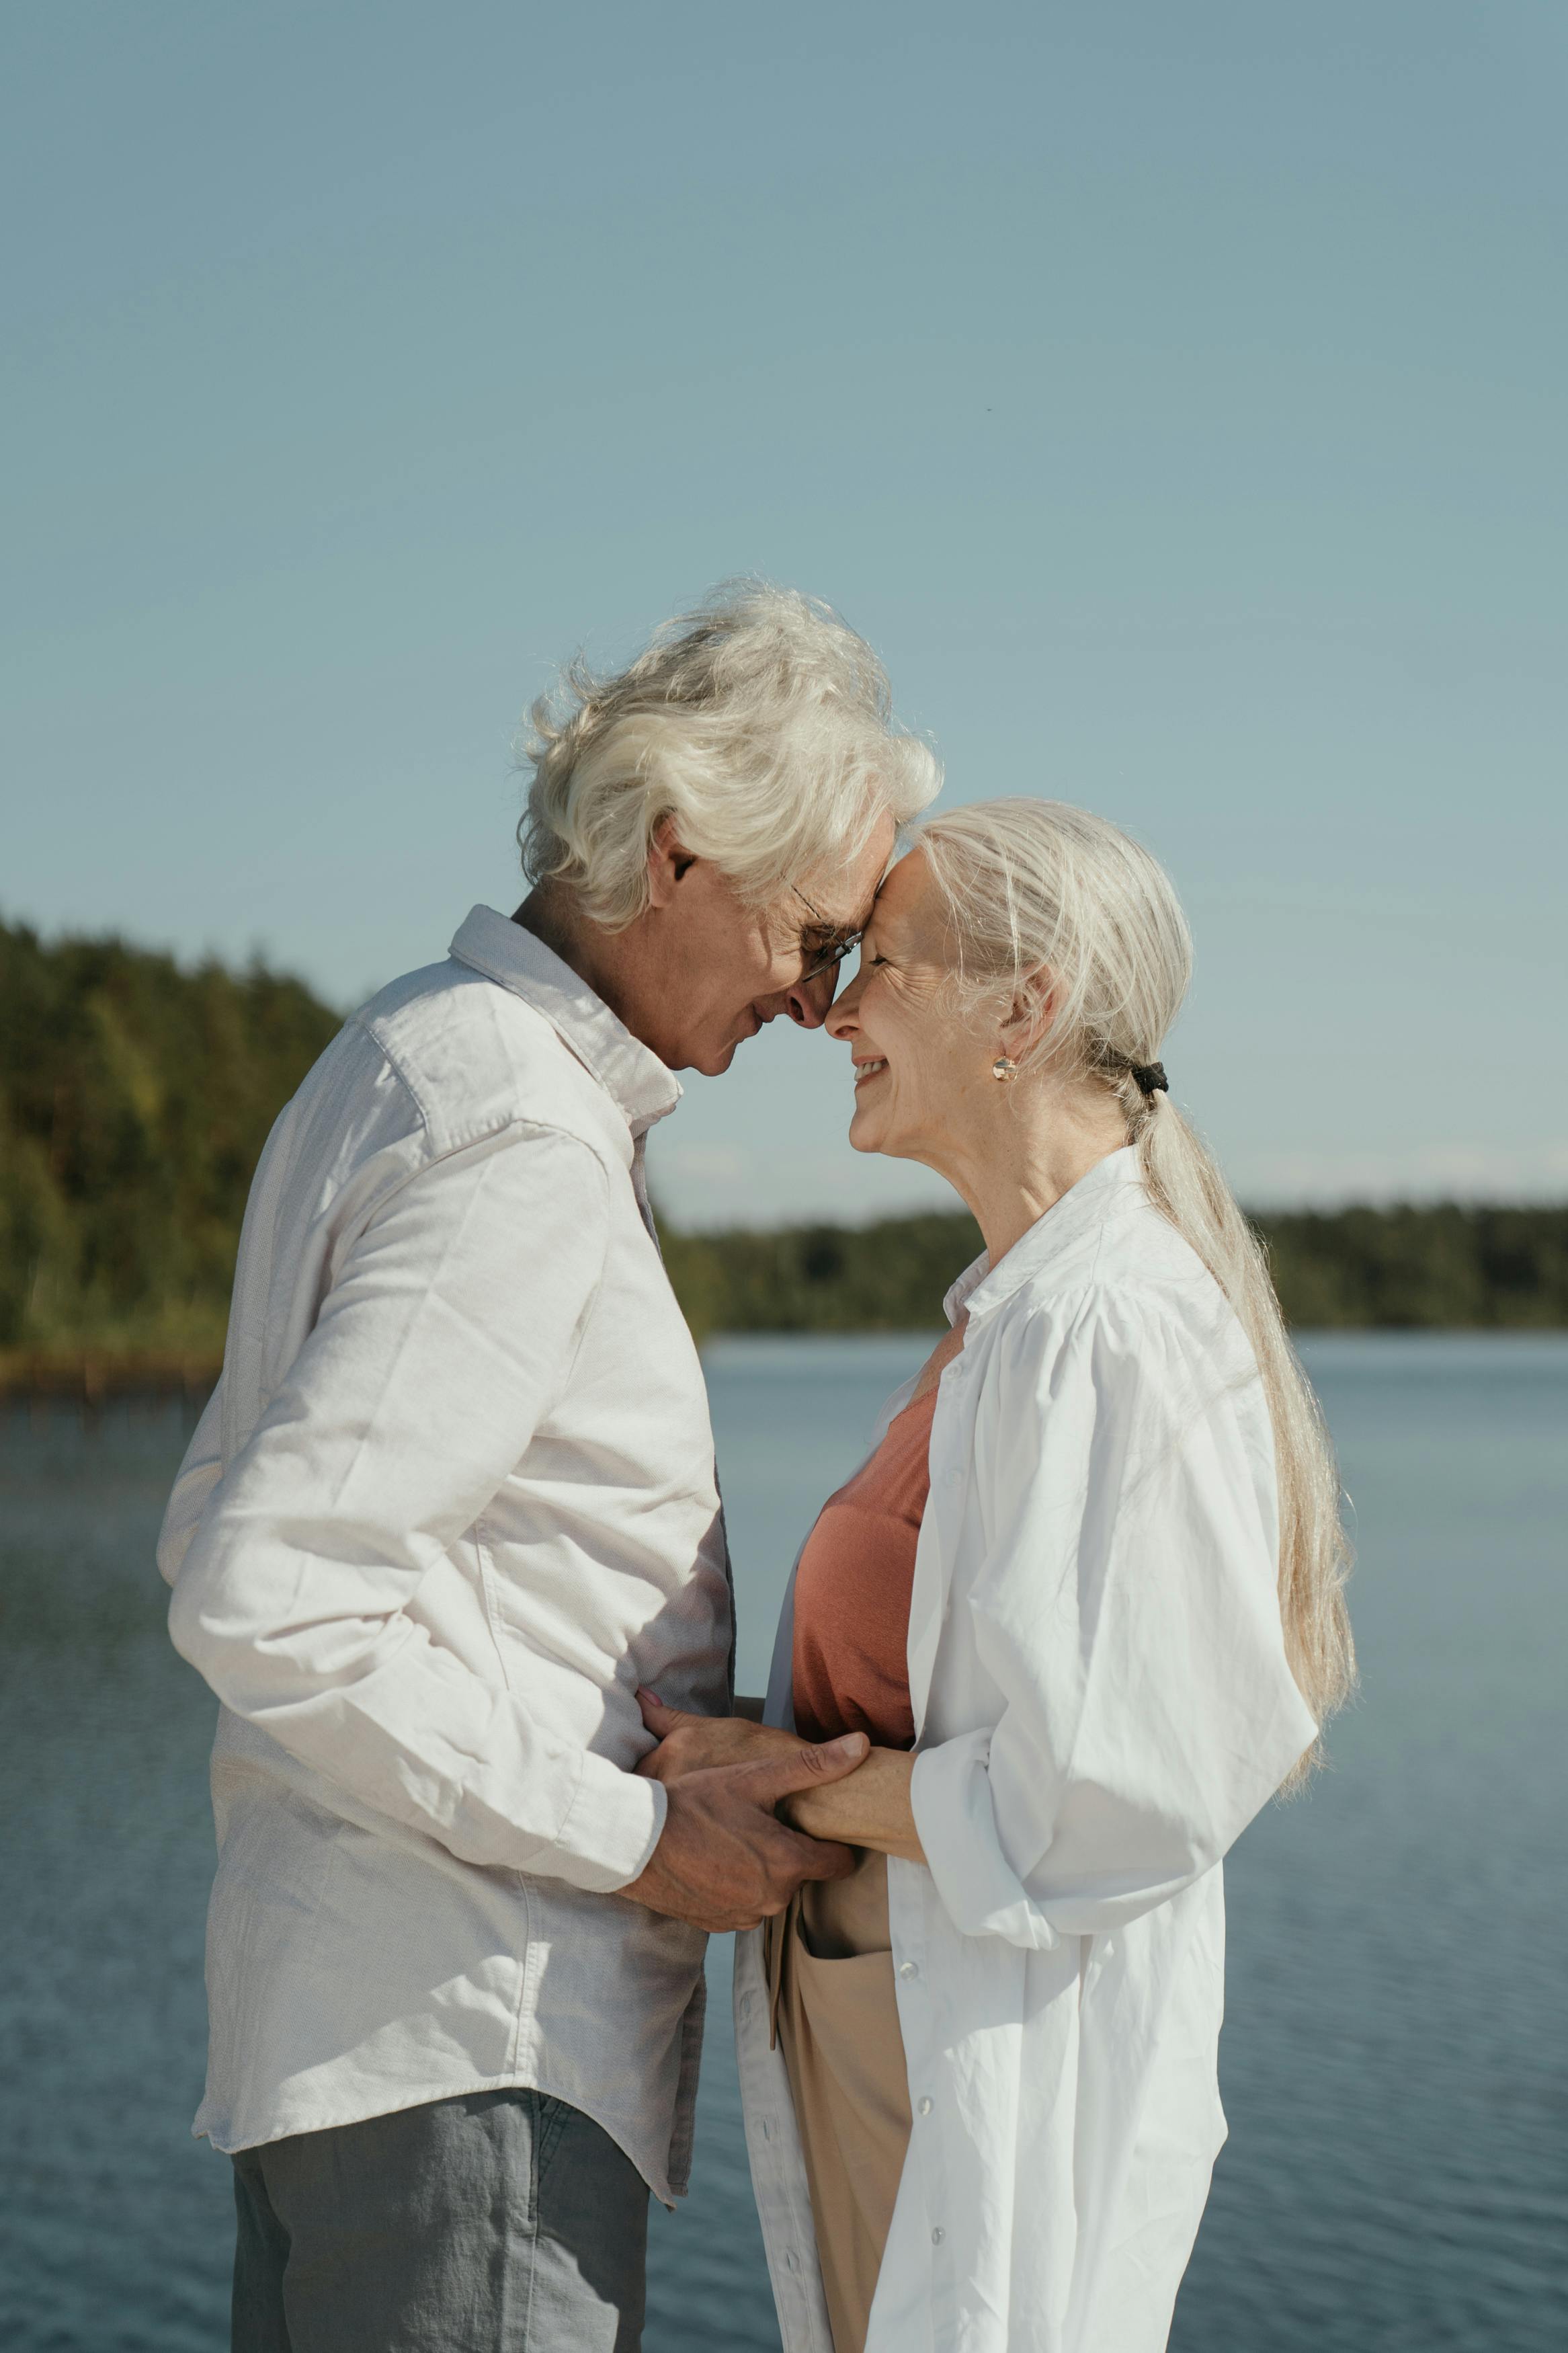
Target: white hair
760, 723
1043, 897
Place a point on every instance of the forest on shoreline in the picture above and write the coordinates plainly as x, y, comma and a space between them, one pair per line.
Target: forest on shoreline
135, 1097
1443, 1268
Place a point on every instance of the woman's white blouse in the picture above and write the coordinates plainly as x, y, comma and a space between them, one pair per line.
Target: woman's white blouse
1102, 1703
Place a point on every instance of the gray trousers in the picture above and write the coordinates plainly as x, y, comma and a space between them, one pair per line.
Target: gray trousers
499, 2223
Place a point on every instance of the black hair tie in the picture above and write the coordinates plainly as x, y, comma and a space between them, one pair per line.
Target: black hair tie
1151, 1078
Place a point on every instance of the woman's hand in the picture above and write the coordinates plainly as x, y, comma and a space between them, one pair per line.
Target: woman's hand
691, 1744
869, 1806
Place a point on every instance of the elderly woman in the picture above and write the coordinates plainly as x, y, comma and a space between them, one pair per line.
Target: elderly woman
1085, 1600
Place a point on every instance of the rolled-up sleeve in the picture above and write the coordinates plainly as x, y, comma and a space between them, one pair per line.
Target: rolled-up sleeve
449, 1329
1124, 1607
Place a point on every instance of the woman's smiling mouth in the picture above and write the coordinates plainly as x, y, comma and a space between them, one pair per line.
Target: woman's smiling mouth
871, 1068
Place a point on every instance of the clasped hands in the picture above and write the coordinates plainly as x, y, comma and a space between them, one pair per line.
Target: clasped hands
725, 1859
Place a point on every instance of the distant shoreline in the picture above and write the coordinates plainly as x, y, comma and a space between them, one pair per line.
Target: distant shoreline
96, 1377
1416, 1270
1446, 1267
135, 1098
90, 1383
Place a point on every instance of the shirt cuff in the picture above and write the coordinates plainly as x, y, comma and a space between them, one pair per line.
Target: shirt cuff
950, 1796
612, 1826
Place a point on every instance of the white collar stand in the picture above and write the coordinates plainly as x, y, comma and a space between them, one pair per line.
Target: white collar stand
643, 1091
1081, 1206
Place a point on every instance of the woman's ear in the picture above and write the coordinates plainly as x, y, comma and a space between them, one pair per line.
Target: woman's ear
1029, 1016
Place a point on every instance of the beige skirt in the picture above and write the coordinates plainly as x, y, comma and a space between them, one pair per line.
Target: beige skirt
835, 2014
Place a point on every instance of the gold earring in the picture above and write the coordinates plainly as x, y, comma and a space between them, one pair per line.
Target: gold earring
1004, 1069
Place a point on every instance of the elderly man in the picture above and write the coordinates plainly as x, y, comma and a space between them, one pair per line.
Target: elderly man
455, 1502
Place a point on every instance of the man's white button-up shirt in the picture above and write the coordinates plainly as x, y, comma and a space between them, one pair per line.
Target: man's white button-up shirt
452, 1502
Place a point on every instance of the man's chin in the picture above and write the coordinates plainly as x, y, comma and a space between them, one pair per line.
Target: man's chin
711, 1061
723, 1056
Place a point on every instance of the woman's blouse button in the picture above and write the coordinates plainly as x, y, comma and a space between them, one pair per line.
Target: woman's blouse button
938, 2235
907, 1969
925, 2107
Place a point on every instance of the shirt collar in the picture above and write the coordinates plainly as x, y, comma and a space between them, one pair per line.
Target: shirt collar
1084, 1206
642, 1088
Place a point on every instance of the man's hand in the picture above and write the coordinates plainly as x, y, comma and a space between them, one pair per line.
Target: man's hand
691, 1744
724, 1860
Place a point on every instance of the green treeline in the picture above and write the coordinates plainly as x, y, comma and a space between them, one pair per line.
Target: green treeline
134, 1101
1427, 1269
1422, 1269
135, 1098
884, 1278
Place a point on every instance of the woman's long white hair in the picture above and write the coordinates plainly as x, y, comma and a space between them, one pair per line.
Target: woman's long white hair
1042, 897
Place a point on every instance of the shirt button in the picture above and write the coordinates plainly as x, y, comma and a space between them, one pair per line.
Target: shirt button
792, 2261
938, 2235
907, 1969
767, 2127
925, 2107
745, 2009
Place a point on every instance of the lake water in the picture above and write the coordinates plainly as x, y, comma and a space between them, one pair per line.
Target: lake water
1395, 2059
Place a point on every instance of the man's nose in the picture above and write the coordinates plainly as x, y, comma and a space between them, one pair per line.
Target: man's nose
809, 1000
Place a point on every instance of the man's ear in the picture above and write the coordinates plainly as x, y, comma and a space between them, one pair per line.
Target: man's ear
667, 861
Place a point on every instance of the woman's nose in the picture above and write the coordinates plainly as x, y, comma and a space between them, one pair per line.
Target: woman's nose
842, 1019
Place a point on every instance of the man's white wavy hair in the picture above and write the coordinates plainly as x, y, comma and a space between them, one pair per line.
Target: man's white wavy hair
761, 724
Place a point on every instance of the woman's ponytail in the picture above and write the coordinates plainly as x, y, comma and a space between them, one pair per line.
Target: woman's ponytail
1186, 1187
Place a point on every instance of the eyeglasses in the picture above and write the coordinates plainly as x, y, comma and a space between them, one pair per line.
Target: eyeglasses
828, 959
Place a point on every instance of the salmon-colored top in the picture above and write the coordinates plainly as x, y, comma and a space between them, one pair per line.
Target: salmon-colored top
852, 1593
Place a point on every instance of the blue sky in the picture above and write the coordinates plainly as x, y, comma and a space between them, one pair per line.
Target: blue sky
1174, 394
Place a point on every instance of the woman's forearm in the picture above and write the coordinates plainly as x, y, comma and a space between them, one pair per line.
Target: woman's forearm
871, 1807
